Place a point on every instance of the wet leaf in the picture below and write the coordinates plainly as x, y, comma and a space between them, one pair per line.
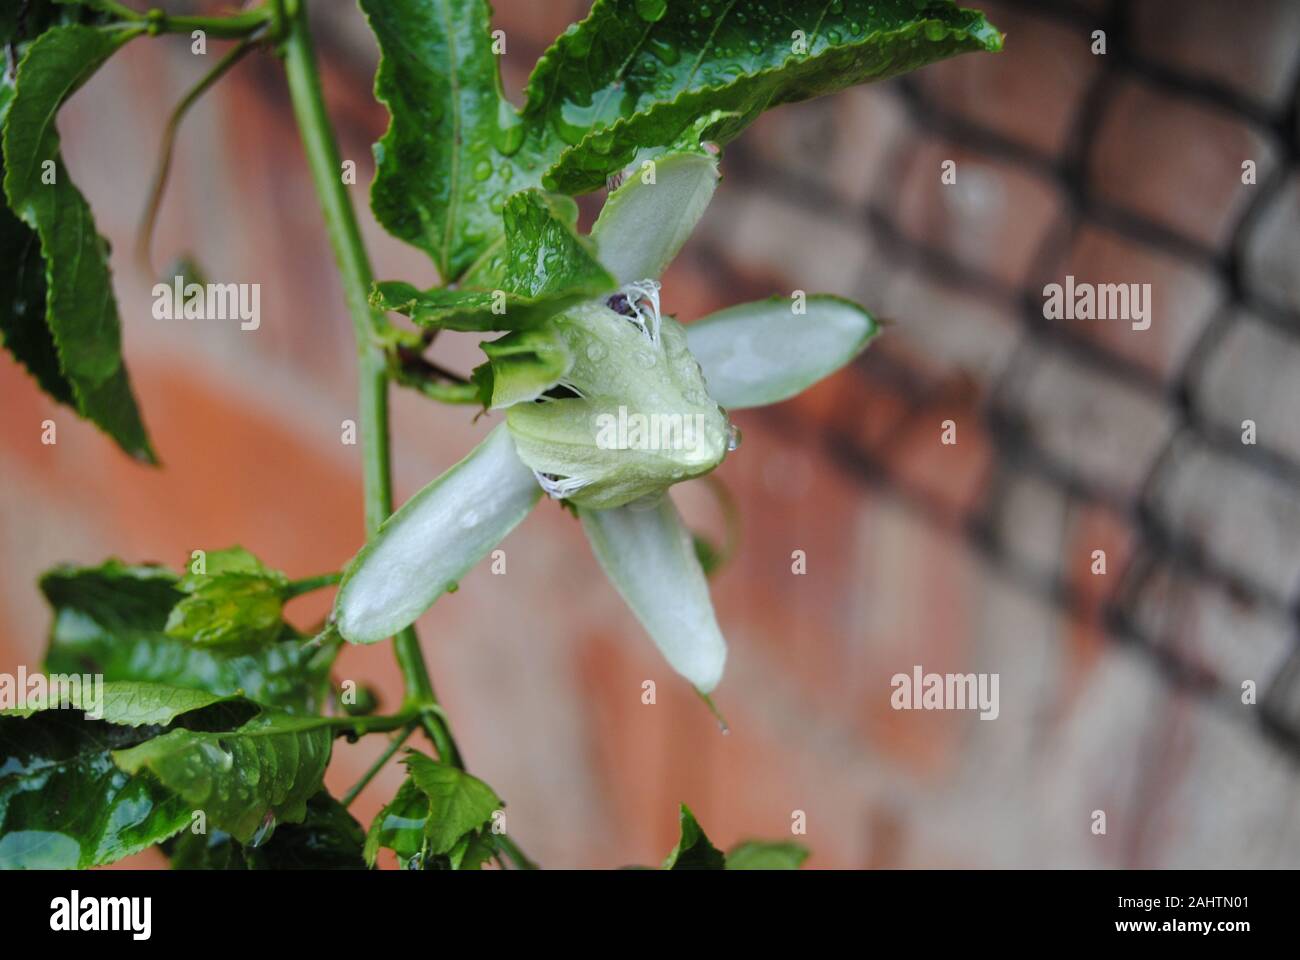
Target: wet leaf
64, 803
241, 778
110, 619
542, 267
328, 839
621, 82
76, 293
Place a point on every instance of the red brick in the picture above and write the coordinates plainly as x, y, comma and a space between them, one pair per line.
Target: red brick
1248, 45
1184, 298
1031, 91
1177, 161
994, 219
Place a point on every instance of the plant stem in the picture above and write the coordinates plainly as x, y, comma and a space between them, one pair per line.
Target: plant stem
232, 27
308, 584
372, 375
232, 57
393, 744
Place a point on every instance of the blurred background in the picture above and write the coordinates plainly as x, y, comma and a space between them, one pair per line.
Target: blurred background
1119, 692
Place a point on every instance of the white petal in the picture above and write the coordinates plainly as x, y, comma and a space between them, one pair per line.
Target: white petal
649, 556
434, 539
763, 352
643, 225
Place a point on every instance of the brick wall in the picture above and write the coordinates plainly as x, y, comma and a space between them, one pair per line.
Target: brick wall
1119, 692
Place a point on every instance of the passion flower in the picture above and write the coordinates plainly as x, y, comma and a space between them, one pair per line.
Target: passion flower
608, 404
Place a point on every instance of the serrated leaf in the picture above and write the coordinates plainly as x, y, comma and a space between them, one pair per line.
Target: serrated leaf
110, 620
693, 850
636, 75
766, 855
458, 802
328, 839
399, 827
79, 308
644, 223
65, 804
543, 267
650, 558
763, 352
135, 703
522, 366
455, 147
423, 549
265, 768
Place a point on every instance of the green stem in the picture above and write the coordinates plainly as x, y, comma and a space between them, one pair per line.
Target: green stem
308, 584
383, 758
372, 374
232, 57
233, 27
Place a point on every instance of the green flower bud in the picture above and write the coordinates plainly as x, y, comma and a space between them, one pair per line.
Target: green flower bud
641, 419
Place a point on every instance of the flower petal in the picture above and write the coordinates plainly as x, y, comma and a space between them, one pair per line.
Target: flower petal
643, 225
434, 539
650, 558
763, 352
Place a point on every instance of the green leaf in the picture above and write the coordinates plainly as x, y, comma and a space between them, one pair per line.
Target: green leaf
79, 309
543, 267
399, 827
635, 74
643, 224
693, 850
764, 352
650, 558
522, 366
110, 619
435, 820
235, 601
242, 778
328, 839
65, 804
423, 549
134, 703
458, 802
766, 855
455, 147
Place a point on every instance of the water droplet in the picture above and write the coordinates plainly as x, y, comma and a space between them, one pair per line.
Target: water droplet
483, 169
264, 830
469, 519
734, 437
